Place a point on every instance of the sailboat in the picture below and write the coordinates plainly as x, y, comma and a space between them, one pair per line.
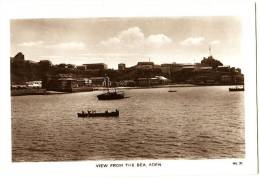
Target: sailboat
110, 94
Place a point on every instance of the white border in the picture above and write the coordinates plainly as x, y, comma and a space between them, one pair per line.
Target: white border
116, 8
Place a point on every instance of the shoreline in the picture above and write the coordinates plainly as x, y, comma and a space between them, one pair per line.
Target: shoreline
41, 91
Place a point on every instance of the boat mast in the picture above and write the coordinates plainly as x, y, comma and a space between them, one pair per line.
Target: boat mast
210, 50
106, 80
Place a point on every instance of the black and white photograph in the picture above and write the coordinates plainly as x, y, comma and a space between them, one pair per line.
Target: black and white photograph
127, 88
137, 89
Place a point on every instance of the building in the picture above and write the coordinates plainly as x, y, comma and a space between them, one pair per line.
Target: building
163, 80
80, 83
223, 68
67, 83
157, 67
127, 83
34, 84
82, 68
157, 80
96, 66
19, 57
17, 87
45, 65
171, 68
121, 67
88, 82
145, 65
166, 68
188, 68
202, 68
176, 67
210, 61
239, 79
62, 84
143, 82
154, 81
97, 81
226, 79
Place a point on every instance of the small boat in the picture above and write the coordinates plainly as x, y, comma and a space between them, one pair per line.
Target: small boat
172, 90
111, 95
237, 89
101, 114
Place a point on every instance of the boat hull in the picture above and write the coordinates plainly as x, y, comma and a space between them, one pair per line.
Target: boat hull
105, 114
236, 89
172, 91
110, 96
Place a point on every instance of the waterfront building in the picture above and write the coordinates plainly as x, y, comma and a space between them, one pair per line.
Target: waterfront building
157, 80
226, 79
238, 79
17, 87
162, 80
97, 81
80, 82
143, 82
127, 83
66, 83
34, 84
87, 81
154, 81
62, 84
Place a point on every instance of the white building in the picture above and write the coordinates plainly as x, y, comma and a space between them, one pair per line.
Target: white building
34, 84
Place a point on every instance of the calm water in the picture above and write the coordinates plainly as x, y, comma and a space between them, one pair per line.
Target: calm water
193, 123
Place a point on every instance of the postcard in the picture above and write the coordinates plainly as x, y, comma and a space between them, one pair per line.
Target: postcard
105, 89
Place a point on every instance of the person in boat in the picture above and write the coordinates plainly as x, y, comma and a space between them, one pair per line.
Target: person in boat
106, 111
117, 111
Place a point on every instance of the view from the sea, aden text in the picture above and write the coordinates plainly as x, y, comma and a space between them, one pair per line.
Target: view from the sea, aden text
127, 89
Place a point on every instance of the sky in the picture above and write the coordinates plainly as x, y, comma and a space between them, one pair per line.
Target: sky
129, 40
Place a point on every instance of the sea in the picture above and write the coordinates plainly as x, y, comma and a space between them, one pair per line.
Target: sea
192, 123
